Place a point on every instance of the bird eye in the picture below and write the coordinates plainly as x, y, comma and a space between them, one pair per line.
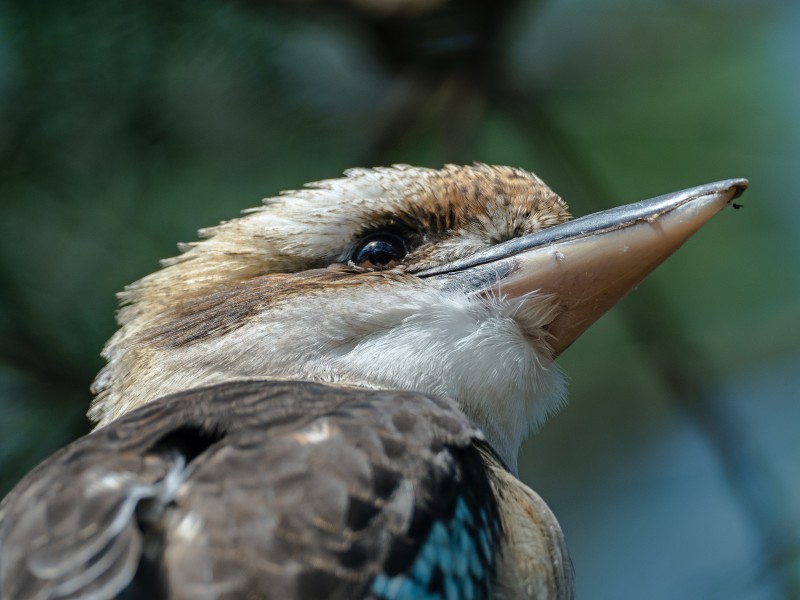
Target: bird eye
379, 251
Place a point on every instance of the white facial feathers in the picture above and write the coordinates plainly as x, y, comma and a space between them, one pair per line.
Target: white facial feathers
242, 303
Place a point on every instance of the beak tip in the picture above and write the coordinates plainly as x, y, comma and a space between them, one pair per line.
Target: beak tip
741, 185
706, 200
735, 187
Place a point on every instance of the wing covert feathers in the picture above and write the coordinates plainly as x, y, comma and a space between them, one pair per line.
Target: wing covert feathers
259, 489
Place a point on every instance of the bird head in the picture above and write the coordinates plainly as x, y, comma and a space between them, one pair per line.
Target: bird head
463, 282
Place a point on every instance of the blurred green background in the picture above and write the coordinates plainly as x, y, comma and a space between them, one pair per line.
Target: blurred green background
126, 126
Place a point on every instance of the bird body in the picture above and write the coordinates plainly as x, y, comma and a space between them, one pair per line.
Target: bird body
278, 490
325, 398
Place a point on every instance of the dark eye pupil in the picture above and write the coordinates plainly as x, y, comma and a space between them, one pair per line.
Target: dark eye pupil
380, 251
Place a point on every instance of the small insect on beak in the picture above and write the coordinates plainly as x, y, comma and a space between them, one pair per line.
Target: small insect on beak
591, 262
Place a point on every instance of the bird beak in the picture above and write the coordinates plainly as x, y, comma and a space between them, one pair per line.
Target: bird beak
591, 262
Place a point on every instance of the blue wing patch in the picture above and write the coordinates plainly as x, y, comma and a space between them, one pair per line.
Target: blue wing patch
456, 561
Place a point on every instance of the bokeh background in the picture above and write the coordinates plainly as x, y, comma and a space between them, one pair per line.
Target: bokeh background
126, 126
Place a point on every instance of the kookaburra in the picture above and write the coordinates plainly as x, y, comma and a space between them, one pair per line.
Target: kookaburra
325, 397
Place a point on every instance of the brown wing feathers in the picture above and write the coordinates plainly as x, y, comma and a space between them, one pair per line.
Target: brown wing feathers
262, 489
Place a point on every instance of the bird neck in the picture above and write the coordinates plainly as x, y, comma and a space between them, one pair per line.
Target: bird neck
403, 337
